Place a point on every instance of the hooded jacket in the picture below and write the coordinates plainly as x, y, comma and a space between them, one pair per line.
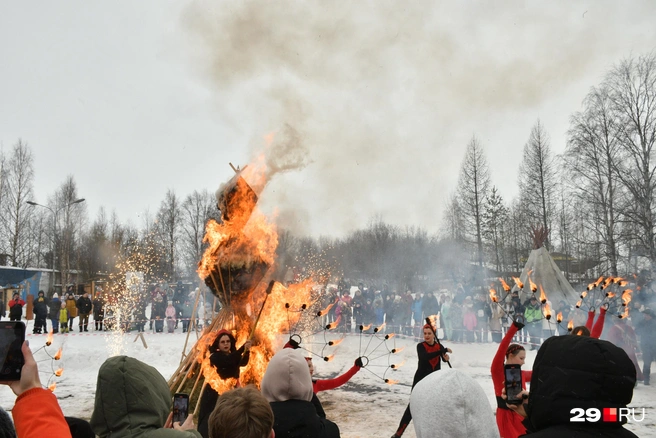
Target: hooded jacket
578, 372
287, 385
450, 404
132, 401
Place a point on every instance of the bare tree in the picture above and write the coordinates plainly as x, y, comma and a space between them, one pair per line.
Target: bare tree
70, 217
495, 215
16, 212
631, 89
197, 208
473, 187
169, 220
538, 178
591, 157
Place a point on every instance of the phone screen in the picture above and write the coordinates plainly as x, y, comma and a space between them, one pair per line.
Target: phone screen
513, 383
12, 336
180, 407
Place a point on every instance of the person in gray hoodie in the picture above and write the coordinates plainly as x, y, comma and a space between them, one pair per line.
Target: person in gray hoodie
450, 404
287, 385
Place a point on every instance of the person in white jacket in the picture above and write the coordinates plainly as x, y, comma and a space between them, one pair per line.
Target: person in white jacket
450, 404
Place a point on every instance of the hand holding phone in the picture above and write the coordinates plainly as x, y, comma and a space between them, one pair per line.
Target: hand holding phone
513, 383
180, 408
12, 337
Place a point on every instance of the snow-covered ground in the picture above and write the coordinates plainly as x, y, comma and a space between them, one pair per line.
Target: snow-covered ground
364, 407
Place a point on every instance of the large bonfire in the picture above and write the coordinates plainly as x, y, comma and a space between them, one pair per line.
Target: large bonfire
238, 267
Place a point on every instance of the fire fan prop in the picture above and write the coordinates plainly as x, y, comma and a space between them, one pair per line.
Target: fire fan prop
237, 266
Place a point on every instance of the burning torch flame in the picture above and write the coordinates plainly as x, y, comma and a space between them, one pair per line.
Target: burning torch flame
326, 310
625, 314
389, 336
610, 294
334, 324
534, 288
391, 382
518, 282
623, 283
397, 366
329, 358
377, 329
584, 294
493, 296
504, 285
591, 286
559, 317
547, 311
570, 325
617, 280
578, 303
59, 372
397, 350
335, 343
599, 280
626, 297
52, 387
543, 297
366, 327
58, 355
49, 339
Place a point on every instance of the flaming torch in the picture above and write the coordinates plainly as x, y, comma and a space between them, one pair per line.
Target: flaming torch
493, 296
570, 325
543, 296
504, 285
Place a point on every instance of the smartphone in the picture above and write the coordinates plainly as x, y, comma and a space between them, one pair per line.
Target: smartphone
513, 375
180, 407
12, 336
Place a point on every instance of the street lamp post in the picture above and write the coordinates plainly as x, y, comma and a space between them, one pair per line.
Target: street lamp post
54, 231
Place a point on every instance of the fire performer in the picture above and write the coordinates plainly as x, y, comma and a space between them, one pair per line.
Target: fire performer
595, 331
227, 359
509, 422
430, 353
326, 384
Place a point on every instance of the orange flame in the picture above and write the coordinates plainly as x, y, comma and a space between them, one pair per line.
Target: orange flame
617, 280
49, 338
518, 282
591, 286
329, 358
534, 288
389, 336
599, 280
493, 296
58, 355
379, 328
608, 281
626, 297
570, 325
578, 303
504, 285
391, 382
59, 372
334, 324
559, 317
397, 366
547, 311
397, 350
610, 294
335, 343
366, 327
52, 387
625, 314
326, 310
623, 283
584, 294
543, 296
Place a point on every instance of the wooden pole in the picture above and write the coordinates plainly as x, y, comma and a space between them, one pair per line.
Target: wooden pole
193, 313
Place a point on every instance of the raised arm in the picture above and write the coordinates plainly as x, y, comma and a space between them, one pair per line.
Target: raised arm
496, 369
326, 384
599, 324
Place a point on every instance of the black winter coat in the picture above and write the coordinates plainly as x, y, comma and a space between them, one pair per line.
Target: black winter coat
299, 419
55, 307
578, 372
83, 305
41, 307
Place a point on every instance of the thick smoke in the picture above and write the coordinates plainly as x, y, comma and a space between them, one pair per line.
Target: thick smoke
376, 101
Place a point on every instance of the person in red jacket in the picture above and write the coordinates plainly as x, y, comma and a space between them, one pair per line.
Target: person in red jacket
430, 353
509, 422
36, 412
16, 308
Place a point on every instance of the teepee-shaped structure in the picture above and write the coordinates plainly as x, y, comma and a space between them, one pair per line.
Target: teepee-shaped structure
544, 272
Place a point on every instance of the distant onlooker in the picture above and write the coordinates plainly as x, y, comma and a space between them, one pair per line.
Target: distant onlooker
242, 413
450, 404
98, 312
63, 318
647, 331
16, 307
71, 307
170, 317
53, 312
84, 307
40, 313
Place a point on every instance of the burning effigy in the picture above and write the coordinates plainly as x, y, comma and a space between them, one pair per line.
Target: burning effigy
238, 267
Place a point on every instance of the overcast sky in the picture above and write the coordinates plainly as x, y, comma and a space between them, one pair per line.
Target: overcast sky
378, 99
